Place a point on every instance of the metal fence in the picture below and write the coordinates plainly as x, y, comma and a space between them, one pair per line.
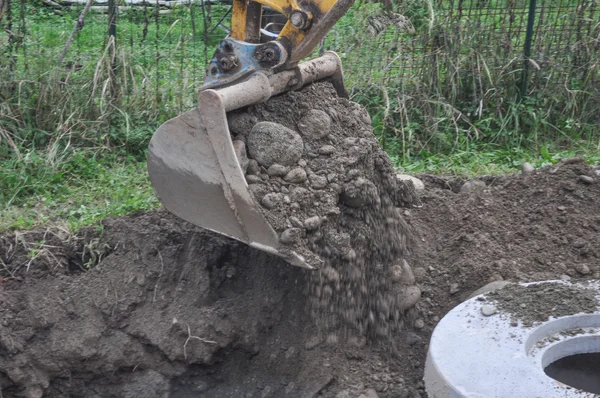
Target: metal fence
469, 54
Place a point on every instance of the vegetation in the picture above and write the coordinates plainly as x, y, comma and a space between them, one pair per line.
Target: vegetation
443, 99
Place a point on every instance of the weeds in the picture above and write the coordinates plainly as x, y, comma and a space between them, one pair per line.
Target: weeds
441, 83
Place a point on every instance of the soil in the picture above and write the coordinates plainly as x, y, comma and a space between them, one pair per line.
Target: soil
538, 302
342, 215
151, 306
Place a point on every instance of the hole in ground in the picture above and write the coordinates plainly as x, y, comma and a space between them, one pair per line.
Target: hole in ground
579, 371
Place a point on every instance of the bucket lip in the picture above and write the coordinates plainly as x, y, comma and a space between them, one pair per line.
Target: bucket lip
472, 355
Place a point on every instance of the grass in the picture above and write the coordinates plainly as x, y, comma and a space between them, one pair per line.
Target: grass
84, 188
78, 191
491, 160
444, 100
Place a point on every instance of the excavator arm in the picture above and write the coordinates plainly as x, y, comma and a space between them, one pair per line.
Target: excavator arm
193, 166
242, 54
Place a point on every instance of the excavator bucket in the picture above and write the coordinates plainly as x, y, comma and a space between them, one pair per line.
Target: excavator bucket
195, 172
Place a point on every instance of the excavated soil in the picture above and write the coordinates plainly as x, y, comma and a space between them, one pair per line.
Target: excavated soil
151, 306
536, 303
331, 193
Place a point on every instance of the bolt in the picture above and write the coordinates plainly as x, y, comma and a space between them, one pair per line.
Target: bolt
269, 54
299, 19
228, 62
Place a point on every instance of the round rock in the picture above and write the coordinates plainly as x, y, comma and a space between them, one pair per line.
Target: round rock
296, 175
488, 310
326, 150
408, 297
315, 123
418, 184
312, 223
271, 200
473, 186
271, 143
253, 167
318, 182
277, 170
527, 168
586, 179
290, 235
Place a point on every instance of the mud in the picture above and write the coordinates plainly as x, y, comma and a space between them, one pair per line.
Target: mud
168, 310
538, 302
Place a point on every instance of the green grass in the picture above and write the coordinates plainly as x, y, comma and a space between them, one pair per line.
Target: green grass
80, 190
84, 188
491, 160
451, 109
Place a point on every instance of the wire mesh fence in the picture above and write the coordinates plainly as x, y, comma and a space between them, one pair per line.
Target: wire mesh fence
428, 67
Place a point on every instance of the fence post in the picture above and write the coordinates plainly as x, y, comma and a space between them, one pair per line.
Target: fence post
112, 19
112, 41
527, 48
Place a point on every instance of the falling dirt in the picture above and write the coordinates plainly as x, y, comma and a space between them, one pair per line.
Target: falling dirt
331, 193
150, 306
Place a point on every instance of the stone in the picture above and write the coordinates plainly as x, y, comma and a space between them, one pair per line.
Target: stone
359, 193
473, 186
408, 297
527, 168
312, 223
490, 287
297, 175
583, 269
418, 184
252, 179
239, 147
326, 150
419, 324
318, 182
454, 288
270, 200
277, 170
295, 221
402, 273
290, 235
315, 123
488, 310
240, 123
271, 143
586, 179
579, 243
253, 168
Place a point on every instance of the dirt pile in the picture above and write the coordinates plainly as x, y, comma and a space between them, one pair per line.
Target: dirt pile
332, 195
168, 310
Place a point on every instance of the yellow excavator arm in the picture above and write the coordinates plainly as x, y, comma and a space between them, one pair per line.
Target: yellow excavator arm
308, 22
193, 166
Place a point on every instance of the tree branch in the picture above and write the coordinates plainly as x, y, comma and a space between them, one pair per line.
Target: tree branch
76, 28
